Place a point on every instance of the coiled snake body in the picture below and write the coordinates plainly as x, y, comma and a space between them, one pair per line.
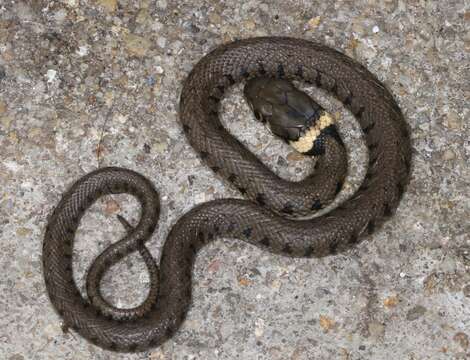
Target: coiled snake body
265, 220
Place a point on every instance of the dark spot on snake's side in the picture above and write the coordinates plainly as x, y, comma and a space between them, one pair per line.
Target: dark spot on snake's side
371, 227
260, 199
334, 88
230, 79
300, 71
368, 128
214, 98
372, 147
242, 190
369, 175
90, 198
261, 69
232, 178
353, 239
317, 165
215, 168
287, 209
317, 205
309, 251
287, 249
280, 71
210, 236
318, 79
203, 155
387, 210
151, 229
333, 247
372, 161
359, 112
244, 73
221, 88
133, 347
200, 237
186, 128
265, 241
348, 100
339, 186
407, 162
154, 342
363, 186
168, 332
192, 248
113, 346
401, 190
247, 232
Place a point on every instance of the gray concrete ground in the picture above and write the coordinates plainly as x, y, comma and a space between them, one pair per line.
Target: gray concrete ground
73, 71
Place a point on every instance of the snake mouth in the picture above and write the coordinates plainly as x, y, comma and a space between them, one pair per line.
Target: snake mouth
306, 141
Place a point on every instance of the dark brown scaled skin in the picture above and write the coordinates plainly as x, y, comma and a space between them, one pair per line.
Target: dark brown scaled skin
258, 222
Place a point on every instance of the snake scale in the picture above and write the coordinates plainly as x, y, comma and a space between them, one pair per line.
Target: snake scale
265, 219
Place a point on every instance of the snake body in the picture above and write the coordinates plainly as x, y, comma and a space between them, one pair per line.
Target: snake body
265, 220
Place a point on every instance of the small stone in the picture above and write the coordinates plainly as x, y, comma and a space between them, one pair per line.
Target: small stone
249, 24
82, 51
161, 42
326, 323
60, 16
111, 207
3, 107
466, 290
415, 313
136, 45
243, 281
108, 5
376, 329
142, 17
375, 29
157, 355
313, 23
160, 147
462, 339
295, 156
51, 74
391, 301
448, 155
259, 327
23, 231
215, 18
162, 4
16, 357
159, 70
453, 120
214, 266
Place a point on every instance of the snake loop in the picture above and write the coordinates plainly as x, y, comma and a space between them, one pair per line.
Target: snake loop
262, 220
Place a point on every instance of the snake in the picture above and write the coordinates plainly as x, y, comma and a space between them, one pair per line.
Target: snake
272, 215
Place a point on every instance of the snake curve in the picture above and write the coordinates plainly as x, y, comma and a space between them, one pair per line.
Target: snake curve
265, 220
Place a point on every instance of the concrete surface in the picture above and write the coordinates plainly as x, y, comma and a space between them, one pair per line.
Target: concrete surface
73, 71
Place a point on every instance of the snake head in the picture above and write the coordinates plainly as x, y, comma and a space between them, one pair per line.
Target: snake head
287, 111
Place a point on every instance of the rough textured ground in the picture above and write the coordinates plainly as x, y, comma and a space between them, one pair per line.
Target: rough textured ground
74, 71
